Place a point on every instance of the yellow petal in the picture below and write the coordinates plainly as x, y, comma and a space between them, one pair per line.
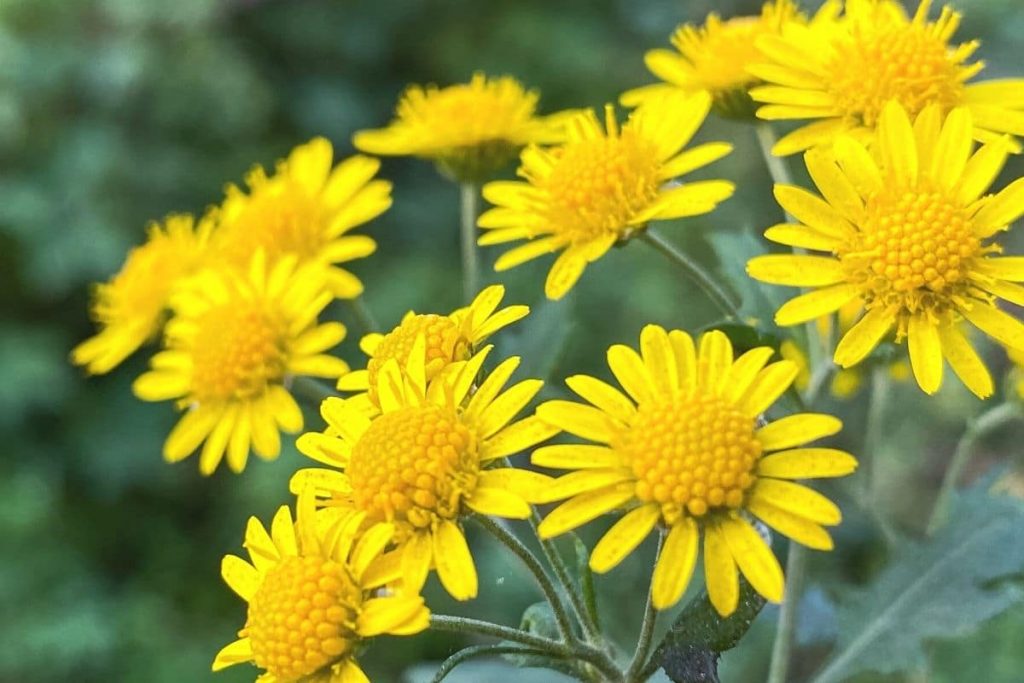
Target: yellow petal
631, 373
516, 438
190, 431
797, 429
720, 575
582, 420
835, 186
584, 508
812, 211
796, 270
623, 537
953, 149
241, 576
714, 359
658, 357
575, 457
863, 337
744, 371
896, 142
564, 273
417, 555
925, 353
492, 386
802, 236
807, 463
235, 653
604, 396
965, 361
525, 484
858, 165
454, 562
527, 252
674, 568
584, 481
816, 304
385, 614
981, 171
497, 503
686, 358
769, 384
754, 557
505, 407
1001, 210
997, 324
798, 500
798, 528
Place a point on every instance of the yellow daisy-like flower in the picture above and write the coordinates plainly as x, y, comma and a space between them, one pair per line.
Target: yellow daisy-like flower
842, 73
449, 339
312, 599
684, 451
131, 307
602, 185
306, 209
470, 129
234, 341
422, 463
713, 58
907, 232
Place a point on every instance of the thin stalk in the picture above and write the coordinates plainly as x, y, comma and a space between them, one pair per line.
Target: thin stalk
311, 390
878, 408
695, 273
469, 196
977, 428
643, 645
464, 655
796, 570
533, 564
364, 316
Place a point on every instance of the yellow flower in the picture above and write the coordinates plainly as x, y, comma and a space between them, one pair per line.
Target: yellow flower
683, 451
130, 307
312, 601
713, 58
306, 209
233, 343
907, 232
841, 74
470, 129
423, 462
449, 338
603, 185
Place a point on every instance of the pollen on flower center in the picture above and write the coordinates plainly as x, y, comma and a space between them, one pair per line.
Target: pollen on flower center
414, 465
303, 617
907, 63
914, 247
238, 350
598, 184
445, 344
695, 453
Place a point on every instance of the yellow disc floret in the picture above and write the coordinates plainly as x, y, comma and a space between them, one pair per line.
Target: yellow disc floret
239, 350
445, 344
414, 465
907, 62
303, 617
600, 183
697, 454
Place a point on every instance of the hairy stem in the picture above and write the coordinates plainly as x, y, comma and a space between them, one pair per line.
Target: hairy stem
643, 645
469, 197
695, 273
796, 570
363, 315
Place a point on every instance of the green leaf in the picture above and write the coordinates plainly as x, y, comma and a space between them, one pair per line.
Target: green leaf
692, 647
758, 301
946, 587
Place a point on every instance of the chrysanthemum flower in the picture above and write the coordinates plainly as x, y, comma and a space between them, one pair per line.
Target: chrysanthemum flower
602, 185
424, 461
306, 209
908, 233
470, 129
131, 307
312, 600
713, 58
842, 73
684, 452
234, 341
449, 339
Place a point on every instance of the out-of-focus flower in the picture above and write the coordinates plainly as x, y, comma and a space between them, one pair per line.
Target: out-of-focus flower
449, 339
840, 74
306, 209
682, 449
234, 341
312, 601
426, 460
131, 307
602, 185
907, 232
470, 129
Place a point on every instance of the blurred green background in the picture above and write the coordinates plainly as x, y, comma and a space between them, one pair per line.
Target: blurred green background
115, 112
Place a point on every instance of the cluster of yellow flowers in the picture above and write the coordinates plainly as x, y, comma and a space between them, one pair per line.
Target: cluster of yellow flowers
904, 234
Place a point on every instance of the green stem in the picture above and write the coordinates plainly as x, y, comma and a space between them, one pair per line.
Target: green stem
977, 428
468, 196
796, 570
643, 645
468, 653
363, 314
695, 273
533, 564
878, 408
312, 390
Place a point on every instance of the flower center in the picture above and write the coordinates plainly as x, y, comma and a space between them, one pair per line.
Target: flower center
445, 344
599, 184
910, 63
278, 217
238, 351
303, 617
695, 453
913, 250
414, 465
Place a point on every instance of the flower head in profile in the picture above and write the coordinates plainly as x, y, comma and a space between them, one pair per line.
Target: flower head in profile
312, 599
469, 129
908, 233
840, 74
235, 339
428, 459
449, 339
713, 58
603, 184
682, 450
306, 209
131, 307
